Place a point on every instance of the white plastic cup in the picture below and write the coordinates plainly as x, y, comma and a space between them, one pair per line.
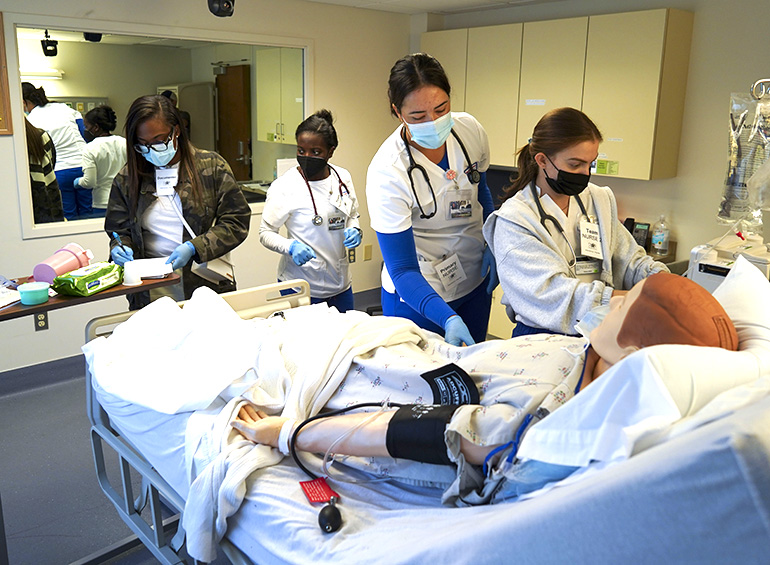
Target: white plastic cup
131, 275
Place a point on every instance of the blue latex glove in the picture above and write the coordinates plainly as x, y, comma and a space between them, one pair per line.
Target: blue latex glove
181, 255
76, 182
121, 254
300, 252
456, 332
488, 264
352, 238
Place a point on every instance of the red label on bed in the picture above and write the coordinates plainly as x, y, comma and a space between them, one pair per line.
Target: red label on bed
318, 490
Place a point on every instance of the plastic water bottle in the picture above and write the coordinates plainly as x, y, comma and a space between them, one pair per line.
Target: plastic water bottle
660, 236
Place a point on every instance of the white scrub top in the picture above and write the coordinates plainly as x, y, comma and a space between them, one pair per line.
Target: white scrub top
455, 230
60, 121
102, 160
289, 203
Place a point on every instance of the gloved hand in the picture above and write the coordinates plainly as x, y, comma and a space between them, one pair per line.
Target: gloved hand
456, 332
121, 254
181, 255
76, 182
300, 252
352, 238
488, 264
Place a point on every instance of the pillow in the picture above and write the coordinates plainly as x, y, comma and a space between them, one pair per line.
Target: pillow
745, 296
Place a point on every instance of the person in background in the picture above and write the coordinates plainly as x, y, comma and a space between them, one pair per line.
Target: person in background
185, 115
560, 249
317, 204
65, 126
46, 198
103, 157
167, 189
427, 195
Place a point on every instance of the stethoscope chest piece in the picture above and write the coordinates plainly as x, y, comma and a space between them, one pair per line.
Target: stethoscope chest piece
317, 220
330, 518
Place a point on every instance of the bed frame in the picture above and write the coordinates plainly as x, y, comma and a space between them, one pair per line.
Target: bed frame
164, 538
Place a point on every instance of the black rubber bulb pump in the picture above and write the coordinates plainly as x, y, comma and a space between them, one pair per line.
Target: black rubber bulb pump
330, 518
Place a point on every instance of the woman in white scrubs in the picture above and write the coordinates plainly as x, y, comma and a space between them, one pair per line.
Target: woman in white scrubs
427, 196
561, 250
317, 204
65, 126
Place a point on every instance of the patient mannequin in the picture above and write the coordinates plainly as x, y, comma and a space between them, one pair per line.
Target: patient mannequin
662, 309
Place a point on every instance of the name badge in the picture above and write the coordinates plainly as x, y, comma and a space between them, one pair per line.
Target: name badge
336, 223
450, 272
165, 181
587, 265
460, 204
590, 239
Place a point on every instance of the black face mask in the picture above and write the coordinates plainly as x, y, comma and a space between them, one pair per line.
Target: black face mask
570, 184
311, 166
88, 136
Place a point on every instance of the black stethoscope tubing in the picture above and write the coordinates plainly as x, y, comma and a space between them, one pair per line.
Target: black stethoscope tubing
473, 174
554, 221
317, 220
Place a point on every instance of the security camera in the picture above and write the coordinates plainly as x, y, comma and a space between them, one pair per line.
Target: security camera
92, 37
222, 8
50, 48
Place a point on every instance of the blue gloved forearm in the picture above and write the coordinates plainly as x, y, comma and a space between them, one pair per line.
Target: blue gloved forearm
352, 238
485, 197
120, 255
300, 252
456, 332
488, 265
400, 256
181, 256
76, 182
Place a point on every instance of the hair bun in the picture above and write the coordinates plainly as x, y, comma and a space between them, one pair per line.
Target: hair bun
325, 115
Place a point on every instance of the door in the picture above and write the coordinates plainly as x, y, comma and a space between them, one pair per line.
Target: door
234, 118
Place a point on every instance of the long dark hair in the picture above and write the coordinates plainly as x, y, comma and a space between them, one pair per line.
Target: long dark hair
319, 123
557, 130
35, 95
412, 72
35, 147
102, 116
139, 169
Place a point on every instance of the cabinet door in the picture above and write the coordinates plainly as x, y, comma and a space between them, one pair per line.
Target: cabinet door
499, 323
450, 48
491, 84
268, 94
292, 101
552, 67
636, 71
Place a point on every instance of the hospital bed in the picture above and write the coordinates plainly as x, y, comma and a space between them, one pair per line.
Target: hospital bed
697, 493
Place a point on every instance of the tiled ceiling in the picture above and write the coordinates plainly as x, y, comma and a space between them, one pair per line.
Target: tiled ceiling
432, 6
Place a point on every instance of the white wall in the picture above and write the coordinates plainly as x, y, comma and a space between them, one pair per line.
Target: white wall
352, 52
727, 55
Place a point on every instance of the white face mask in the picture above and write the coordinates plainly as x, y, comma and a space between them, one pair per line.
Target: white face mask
432, 135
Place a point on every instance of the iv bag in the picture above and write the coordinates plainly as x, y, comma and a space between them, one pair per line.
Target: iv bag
759, 185
749, 149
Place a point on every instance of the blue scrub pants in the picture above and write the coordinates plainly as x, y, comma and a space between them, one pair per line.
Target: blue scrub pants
342, 301
473, 308
523, 329
75, 201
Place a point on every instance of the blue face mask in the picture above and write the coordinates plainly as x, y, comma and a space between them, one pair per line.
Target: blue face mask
161, 158
432, 135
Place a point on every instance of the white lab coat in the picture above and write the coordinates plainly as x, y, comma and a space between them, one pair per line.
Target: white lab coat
60, 121
289, 203
394, 209
102, 160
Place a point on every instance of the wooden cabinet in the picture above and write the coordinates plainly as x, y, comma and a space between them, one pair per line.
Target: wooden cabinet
491, 81
627, 72
499, 323
280, 103
635, 80
552, 67
450, 47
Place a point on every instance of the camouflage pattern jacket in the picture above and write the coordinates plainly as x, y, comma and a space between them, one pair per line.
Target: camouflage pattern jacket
221, 222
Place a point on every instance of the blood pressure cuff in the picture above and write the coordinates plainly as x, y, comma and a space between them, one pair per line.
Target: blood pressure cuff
451, 385
416, 432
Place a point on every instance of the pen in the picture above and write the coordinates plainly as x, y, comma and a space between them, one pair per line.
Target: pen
117, 238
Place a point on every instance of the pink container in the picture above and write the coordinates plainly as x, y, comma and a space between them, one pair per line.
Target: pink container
66, 259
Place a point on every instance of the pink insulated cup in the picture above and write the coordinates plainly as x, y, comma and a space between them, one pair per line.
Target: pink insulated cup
66, 259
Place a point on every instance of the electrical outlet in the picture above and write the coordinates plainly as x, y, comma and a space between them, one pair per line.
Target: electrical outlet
367, 252
352, 255
41, 321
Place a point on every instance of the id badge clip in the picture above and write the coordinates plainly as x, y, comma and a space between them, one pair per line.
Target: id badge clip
590, 239
165, 181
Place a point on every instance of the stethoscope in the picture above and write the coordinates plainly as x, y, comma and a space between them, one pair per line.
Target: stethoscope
555, 222
317, 219
474, 176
